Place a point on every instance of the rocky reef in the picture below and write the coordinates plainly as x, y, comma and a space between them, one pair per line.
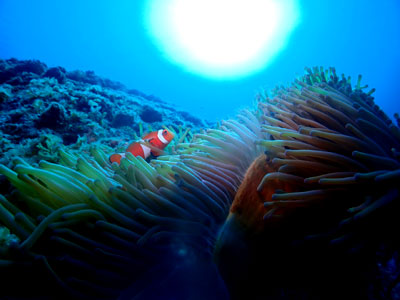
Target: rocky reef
43, 108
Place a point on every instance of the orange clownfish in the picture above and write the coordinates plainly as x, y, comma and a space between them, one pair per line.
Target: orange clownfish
158, 139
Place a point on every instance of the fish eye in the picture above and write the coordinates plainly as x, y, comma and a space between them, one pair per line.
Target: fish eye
164, 132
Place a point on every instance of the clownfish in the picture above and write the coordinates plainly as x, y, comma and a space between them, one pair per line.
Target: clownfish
158, 139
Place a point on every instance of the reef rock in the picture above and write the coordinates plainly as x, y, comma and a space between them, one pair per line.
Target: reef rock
77, 107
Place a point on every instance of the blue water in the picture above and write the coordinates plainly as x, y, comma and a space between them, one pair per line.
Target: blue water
357, 37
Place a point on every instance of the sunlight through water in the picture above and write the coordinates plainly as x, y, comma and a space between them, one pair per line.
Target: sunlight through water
221, 38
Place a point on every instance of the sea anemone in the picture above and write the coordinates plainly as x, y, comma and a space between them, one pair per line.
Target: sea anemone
312, 210
96, 227
317, 181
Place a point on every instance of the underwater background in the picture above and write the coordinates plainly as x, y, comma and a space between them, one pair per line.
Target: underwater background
112, 39
178, 149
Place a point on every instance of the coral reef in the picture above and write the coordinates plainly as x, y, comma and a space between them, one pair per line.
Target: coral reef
37, 101
294, 199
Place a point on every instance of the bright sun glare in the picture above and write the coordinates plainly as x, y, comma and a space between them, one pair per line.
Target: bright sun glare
221, 38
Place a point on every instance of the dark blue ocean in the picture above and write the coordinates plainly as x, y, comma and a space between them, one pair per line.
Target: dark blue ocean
111, 38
